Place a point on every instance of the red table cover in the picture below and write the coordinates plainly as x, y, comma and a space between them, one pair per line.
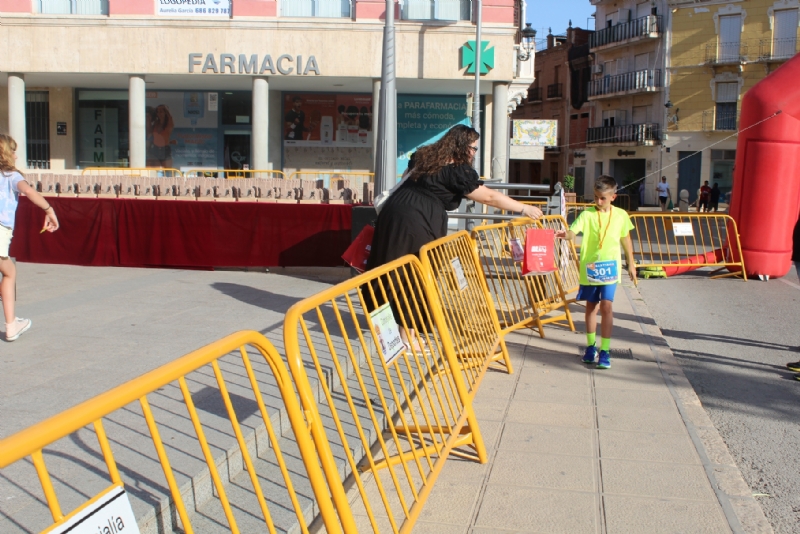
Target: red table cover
162, 233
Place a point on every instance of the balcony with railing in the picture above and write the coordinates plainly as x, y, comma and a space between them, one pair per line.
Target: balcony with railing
625, 135
316, 8
640, 81
555, 90
71, 7
445, 10
535, 94
777, 49
726, 53
648, 27
723, 120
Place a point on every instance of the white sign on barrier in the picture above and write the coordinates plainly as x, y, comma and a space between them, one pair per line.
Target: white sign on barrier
683, 229
387, 332
108, 513
459, 271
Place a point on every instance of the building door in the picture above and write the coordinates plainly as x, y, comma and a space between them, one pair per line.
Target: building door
237, 151
689, 173
580, 181
626, 171
598, 169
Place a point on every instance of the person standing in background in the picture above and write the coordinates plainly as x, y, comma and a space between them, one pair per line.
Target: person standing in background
664, 193
715, 192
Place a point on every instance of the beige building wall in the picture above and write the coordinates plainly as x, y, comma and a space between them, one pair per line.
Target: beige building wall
164, 48
62, 147
3, 109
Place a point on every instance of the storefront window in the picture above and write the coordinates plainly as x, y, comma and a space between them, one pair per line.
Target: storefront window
237, 107
722, 170
102, 129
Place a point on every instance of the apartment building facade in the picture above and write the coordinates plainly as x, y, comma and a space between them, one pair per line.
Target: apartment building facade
719, 51
559, 66
627, 92
258, 84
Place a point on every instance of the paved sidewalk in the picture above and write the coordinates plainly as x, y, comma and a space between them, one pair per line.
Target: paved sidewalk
575, 449
572, 449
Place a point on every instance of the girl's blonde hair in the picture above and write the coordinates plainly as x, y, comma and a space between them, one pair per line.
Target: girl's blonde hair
7, 148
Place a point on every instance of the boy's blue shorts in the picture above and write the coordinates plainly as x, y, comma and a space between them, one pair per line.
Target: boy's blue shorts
597, 293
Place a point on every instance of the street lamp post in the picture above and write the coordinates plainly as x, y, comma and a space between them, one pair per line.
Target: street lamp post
476, 94
386, 157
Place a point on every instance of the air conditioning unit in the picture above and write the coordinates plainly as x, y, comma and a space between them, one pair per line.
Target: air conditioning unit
597, 69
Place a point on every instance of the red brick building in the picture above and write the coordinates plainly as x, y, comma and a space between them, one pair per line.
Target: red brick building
559, 92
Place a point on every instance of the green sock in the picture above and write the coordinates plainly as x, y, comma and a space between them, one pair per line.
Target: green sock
605, 343
590, 336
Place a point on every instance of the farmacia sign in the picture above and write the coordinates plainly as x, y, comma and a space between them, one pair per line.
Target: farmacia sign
285, 64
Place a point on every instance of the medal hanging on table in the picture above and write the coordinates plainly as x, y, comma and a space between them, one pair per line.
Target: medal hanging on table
607, 271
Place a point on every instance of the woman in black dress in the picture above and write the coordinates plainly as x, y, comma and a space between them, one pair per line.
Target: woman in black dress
441, 176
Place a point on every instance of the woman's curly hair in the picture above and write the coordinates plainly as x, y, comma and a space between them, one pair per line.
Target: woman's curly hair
453, 148
7, 148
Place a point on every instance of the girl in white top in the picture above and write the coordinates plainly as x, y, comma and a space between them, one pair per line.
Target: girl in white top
12, 183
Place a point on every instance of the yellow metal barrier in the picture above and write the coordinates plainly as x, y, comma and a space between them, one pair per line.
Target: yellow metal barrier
521, 301
567, 259
683, 241
623, 201
455, 272
233, 174
401, 406
150, 172
204, 363
573, 209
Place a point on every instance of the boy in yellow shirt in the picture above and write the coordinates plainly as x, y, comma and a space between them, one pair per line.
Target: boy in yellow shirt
604, 229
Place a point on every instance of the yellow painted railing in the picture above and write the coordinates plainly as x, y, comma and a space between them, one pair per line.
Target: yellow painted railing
454, 270
521, 301
687, 239
405, 410
152, 172
32, 441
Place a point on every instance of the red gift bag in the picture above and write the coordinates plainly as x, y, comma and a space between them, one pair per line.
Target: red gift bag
539, 252
357, 253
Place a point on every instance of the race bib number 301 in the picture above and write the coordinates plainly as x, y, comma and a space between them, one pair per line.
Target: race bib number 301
602, 272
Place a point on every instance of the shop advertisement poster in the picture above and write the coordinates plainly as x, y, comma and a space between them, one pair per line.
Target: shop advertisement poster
193, 8
424, 119
327, 132
535, 133
327, 120
181, 129
387, 332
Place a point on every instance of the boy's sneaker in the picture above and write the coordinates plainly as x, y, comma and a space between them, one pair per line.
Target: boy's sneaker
797, 377
17, 328
590, 356
604, 360
794, 367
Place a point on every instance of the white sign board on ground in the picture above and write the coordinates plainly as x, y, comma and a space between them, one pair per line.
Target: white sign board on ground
682, 229
526, 152
387, 332
108, 513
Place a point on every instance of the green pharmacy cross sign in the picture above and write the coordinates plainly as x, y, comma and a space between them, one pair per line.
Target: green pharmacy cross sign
468, 57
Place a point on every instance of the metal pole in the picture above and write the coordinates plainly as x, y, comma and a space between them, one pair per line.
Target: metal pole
386, 158
476, 94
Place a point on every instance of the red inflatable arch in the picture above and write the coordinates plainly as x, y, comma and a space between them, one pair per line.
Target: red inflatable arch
765, 202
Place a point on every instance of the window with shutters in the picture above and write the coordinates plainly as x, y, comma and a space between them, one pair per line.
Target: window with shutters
730, 34
727, 96
784, 34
